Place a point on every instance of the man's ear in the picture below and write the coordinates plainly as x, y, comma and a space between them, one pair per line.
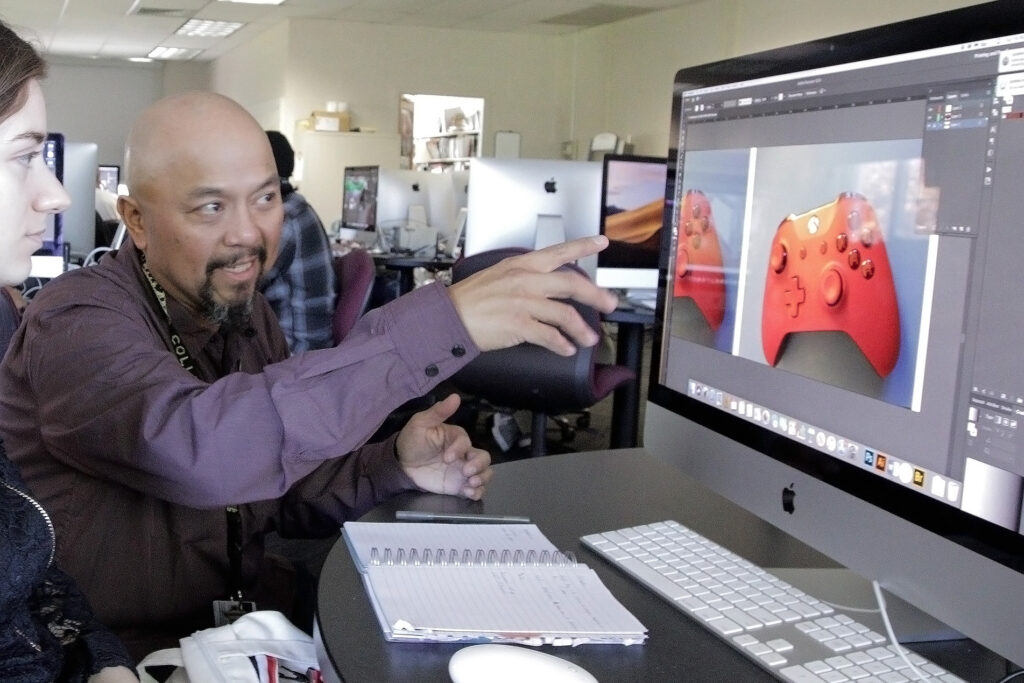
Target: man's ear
132, 217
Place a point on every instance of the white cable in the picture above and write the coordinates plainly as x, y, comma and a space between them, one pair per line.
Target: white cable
889, 632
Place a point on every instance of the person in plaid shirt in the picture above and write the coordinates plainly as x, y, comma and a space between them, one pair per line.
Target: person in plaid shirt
300, 286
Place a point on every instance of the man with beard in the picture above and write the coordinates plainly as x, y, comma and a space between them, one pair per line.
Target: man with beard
152, 406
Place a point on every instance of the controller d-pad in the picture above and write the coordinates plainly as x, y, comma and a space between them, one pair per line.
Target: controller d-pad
832, 287
794, 296
778, 258
853, 258
867, 269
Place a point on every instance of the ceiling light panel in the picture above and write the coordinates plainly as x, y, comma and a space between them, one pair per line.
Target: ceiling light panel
164, 52
205, 28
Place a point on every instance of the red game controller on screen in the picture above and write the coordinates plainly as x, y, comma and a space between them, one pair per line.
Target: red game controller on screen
828, 271
699, 272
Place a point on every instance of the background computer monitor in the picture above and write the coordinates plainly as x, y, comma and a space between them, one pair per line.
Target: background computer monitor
79, 221
910, 475
632, 213
53, 155
359, 198
532, 203
401, 198
109, 177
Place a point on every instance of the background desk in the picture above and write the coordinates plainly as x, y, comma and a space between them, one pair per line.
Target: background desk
405, 265
567, 496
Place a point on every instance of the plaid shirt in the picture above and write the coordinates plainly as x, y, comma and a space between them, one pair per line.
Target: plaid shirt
301, 286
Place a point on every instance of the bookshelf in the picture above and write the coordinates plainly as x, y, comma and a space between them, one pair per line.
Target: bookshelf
443, 131
447, 151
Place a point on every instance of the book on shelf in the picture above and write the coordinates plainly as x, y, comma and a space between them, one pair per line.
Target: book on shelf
438, 582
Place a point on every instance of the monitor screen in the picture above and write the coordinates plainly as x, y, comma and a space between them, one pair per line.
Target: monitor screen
632, 208
359, 198
53, 155
109, 177
79, 220
532, 203
839, 294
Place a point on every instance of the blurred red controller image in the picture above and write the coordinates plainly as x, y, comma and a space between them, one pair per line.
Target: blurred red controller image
699, 272
829, 271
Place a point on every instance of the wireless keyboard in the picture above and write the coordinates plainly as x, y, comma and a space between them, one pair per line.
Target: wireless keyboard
793, 635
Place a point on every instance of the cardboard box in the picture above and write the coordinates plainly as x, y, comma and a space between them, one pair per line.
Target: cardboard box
332, 121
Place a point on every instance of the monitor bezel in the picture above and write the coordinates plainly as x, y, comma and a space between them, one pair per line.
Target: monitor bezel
978, 535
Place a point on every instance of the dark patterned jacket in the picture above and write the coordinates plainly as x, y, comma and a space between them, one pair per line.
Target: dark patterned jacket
47, 630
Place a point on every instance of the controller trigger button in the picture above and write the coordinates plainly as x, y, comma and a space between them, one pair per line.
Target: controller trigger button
842, 241
867, 269
853, 258
832, 287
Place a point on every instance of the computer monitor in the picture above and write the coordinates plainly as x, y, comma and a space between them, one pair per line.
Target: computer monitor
840, 304
359, 197
404, 209
109, 177
79, 221
632, 213
532, 203
53, 155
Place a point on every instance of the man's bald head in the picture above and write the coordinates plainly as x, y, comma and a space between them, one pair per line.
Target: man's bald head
182, 129
204, 201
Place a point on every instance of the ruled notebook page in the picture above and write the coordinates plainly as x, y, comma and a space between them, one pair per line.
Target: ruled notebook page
543, 604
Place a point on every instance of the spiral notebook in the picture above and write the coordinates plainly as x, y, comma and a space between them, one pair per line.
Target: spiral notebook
483, 583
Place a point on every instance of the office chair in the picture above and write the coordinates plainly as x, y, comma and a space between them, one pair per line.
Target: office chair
355, 272
530, 377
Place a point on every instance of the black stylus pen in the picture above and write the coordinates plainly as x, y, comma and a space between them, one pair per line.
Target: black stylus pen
457, 517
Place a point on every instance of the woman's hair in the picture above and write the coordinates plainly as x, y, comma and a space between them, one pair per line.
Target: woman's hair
19, 63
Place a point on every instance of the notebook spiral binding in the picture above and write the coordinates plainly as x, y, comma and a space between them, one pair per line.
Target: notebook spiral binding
470, 558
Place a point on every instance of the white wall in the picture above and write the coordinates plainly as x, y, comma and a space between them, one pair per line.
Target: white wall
254, 75
97, 102
524, 80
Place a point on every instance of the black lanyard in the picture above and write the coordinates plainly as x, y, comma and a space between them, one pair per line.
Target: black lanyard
234, 517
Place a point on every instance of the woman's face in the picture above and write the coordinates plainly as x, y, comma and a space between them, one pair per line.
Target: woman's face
29, 192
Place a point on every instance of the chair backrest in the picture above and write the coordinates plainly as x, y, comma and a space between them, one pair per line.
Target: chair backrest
527, 376
354, 272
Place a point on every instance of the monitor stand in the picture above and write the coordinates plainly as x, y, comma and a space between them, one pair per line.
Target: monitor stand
844, 588
550, 230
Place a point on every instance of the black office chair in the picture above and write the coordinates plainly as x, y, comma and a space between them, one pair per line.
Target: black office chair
530, 377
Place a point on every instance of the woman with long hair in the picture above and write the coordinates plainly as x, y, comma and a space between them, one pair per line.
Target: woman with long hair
47, 629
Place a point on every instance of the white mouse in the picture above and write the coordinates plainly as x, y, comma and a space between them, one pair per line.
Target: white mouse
492, 663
